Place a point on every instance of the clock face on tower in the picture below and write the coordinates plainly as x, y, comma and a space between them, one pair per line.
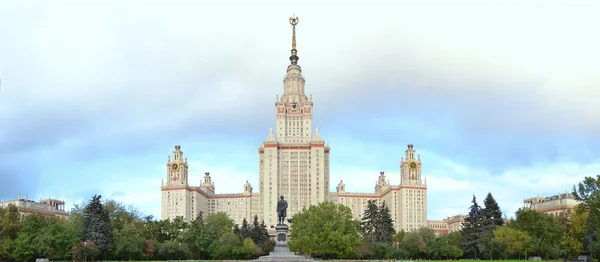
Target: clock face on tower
175, 167
294, 105
412, 165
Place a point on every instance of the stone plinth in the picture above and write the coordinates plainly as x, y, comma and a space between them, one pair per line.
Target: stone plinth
282, 250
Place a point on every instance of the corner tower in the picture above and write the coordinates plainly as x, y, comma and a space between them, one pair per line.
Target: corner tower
292, 161
413, 191
175, 196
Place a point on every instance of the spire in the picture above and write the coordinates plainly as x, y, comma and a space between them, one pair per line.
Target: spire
317, 135
294, 57
271, 137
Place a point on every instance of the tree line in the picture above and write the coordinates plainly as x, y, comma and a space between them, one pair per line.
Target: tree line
108, 230
329, 231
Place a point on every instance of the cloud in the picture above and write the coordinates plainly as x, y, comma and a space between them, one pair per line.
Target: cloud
94, 95
453, 191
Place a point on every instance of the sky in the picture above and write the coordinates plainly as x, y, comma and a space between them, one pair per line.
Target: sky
496, 96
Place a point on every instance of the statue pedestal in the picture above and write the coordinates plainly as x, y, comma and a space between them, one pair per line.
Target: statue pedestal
281, 239
282, 250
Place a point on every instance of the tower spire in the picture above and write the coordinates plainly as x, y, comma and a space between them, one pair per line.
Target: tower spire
294, 57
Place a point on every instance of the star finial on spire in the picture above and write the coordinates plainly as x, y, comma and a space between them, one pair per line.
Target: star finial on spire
294, 57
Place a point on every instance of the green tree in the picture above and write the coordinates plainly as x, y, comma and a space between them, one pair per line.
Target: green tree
151, 229
58, 237
492, 218
175, 230
265, 243
214, 238
377, 225
451, 249
327, 230
48, 237
399, 237
96, 225
258, 233
443, 248
382, 250
171, 250
219, 223
384, 229
454, 238
10, 225
411, 244
85, 251
76, 218
543, 229
199, 238
427, 235
588, 192
490, 247
120, 215
230, 246
369, 222
473, 231
129, 242
491, 212
517, 242
571, 242
245, 229
26, 246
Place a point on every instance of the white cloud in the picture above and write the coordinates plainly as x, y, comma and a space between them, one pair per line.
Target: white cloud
226, 180
509, 188
147, 53
443, 184
143, 66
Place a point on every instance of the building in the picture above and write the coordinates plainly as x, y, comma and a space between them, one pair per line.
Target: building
47, 207
552, 204
294, 162
455, 223
447, 225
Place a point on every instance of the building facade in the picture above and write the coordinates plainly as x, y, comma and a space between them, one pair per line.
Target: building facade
294, 162
553, 204
47, 207
447, 225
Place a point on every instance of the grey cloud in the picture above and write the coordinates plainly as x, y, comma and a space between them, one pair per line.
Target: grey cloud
125, 80
18, 175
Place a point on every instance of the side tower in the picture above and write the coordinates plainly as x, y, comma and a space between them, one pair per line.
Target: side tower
292, 162
175, 196
412, 206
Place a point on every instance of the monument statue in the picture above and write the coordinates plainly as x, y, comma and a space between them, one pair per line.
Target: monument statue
281, 210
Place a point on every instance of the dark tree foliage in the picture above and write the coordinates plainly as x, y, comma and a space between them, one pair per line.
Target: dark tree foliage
472, 231
263, 233
384, 229
377, 225
369, 222
200, 218
492, 218
588, 192
236, 229
96, 225
245, 229
491, 212
543, 229
257, 232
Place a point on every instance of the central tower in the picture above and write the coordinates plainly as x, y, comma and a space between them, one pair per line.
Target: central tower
292, 161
